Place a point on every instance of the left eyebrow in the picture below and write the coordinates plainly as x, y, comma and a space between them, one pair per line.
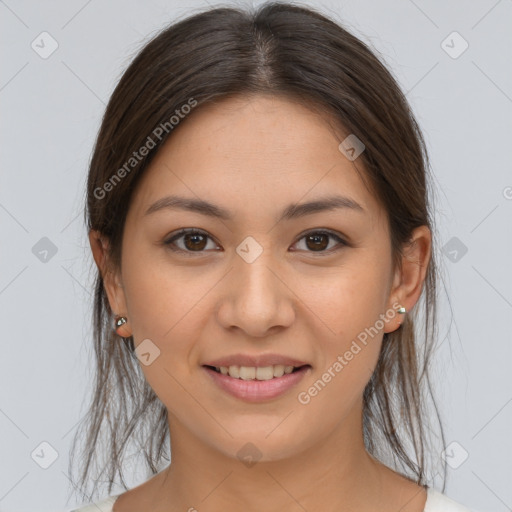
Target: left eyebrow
292, 211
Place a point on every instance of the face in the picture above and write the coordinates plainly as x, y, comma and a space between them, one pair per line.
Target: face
312, 285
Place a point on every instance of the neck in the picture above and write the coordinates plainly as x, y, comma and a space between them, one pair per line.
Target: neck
335, 473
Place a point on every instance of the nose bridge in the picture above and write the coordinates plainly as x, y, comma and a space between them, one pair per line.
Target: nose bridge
258, 299
256, 285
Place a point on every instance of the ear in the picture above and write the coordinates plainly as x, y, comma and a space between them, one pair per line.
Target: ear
111, 280
408, 281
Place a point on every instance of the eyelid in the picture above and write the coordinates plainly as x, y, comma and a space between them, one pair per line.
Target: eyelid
184, 231
341, 242
322, 231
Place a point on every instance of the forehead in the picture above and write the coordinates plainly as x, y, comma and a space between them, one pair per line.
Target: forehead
263, 149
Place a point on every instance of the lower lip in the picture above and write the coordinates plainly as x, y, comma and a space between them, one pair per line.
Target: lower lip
257, 390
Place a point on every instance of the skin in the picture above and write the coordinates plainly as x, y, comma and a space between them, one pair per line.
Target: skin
254, 156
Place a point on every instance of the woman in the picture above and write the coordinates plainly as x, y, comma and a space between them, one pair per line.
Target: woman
259, 212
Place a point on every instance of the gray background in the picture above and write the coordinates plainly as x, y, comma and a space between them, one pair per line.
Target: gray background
51, 111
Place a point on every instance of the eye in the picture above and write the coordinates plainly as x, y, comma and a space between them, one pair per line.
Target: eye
318, 241
194, 240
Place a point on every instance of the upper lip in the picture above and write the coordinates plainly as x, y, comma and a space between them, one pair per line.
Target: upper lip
260, 360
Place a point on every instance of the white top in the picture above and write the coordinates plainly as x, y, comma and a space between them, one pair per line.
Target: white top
436, 502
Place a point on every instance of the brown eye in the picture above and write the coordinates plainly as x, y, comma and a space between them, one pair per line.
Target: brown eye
188, 241
191, 240
194, 241
319, 241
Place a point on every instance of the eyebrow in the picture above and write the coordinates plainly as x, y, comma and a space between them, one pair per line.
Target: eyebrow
292, 211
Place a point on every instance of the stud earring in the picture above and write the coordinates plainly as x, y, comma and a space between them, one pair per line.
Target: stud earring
401, 310
127, 338
119, 322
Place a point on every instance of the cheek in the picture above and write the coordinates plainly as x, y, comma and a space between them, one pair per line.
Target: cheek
346, 308
346, 300
167, 305
347, 361
162, 297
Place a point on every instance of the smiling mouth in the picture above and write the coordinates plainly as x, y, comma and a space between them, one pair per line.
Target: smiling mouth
256, 373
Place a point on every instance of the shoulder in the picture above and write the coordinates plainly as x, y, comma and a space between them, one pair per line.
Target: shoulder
104, 505
438, 502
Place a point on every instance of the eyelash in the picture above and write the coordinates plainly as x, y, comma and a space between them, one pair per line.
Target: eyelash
195, 231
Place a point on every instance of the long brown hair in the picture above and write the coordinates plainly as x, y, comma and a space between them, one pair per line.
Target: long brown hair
276, 49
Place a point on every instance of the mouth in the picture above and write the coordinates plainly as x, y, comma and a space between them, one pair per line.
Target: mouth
256, 384
256, 372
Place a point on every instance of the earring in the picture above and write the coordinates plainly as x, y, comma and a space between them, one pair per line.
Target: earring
128, 340
119, 322
401, 310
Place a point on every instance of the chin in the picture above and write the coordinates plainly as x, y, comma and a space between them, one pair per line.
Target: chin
257, 445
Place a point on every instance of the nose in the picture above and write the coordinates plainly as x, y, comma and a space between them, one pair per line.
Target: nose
256, 299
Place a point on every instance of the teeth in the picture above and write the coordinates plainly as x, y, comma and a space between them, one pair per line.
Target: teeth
252, 372
246, 372
234, 371
265, 373
279, 370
